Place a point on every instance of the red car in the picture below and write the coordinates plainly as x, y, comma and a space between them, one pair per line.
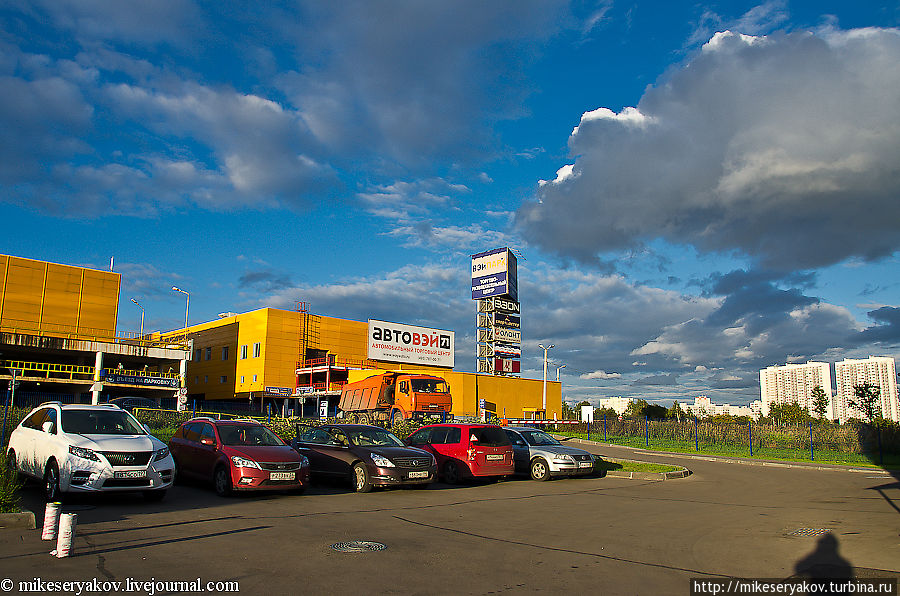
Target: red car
237, 455
466, 450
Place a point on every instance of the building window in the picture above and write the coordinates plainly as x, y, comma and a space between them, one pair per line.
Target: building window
196, 379
209, 352
206, 378
254, 378
243, 352
242, 378
223, 379
225, 353
257, 348
197, 353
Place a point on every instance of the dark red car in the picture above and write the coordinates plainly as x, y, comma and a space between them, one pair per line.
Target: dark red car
466, 450
237, 455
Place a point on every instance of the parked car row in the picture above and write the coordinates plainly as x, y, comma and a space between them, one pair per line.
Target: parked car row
93, 448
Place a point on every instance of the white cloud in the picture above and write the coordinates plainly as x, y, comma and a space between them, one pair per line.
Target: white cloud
756, 145
600, 374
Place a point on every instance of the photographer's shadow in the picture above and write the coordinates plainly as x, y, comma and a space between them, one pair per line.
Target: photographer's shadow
824, 562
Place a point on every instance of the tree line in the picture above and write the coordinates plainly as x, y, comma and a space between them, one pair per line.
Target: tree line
866, 400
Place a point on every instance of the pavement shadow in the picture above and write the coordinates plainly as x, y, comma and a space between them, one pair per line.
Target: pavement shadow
825, 562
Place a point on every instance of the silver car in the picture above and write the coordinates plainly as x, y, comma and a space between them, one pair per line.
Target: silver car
541, 456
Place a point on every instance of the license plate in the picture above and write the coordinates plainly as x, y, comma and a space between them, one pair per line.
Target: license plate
585, 465
494, 456
418, 474
281, 475
131, 474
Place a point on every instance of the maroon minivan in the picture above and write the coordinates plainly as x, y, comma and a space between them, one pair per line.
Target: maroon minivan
466, 450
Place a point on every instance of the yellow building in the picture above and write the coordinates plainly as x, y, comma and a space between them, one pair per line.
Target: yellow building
58, 333
273, 356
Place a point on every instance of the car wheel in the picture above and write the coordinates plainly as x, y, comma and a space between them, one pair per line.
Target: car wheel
451, 472
222, 481
361, 481
397, 418
539, 469
51, 483
154, 495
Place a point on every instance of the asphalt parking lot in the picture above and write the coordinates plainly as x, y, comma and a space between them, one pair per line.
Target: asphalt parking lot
595, 535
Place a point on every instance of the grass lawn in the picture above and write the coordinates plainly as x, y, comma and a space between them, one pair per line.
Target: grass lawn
766, 453
635, 466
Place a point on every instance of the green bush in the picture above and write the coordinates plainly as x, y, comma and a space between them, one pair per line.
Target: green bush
9, 487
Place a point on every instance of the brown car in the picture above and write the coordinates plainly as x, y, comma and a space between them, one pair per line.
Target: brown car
368, 456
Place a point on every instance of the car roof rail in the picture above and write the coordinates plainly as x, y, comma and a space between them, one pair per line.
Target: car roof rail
210, 418
50, 403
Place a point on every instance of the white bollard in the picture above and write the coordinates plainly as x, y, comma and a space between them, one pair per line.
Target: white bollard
51, 521
67, 523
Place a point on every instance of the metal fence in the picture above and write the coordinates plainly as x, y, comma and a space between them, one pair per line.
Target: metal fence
852, 442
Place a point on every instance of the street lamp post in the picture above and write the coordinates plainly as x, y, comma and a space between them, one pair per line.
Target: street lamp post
541, 346
187, 306
142, 316
557, 371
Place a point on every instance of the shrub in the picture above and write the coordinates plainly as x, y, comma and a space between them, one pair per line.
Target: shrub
9, 487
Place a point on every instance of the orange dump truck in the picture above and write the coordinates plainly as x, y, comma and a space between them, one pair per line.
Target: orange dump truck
395, 397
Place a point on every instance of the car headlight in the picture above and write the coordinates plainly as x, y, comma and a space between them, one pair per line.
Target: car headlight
161, 454
564, 457
381, 461
243, 462
83, 453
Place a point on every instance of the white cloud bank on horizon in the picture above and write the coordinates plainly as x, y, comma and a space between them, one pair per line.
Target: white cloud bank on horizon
783, 148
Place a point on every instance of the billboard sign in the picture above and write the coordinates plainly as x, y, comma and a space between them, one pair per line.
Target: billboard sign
504, 306
508, 321
510, 336
397, 342
507, 351
507, 366
494, 274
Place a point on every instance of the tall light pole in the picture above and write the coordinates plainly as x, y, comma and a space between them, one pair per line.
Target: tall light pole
186, 307
557, 371
142, 316
541, 346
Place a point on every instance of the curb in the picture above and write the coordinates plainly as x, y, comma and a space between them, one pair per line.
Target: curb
728, 460
22, 520
682, 473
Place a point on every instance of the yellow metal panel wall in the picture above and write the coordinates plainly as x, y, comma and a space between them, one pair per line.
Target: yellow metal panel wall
251, 330
204, 375
62, 296
4, 266
99, 302
23, 293
282, 348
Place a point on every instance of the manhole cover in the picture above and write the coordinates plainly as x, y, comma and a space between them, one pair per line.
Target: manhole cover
809, 532
357, 546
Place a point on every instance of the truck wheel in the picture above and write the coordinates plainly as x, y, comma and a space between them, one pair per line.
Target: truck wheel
397, 418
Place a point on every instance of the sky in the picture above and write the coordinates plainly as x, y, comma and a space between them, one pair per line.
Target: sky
695, 190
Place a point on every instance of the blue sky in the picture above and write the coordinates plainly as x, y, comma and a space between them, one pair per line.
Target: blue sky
698, 190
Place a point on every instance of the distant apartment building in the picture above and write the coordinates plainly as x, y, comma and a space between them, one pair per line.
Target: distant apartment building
794, 383
619, 404
703, 407
876, 370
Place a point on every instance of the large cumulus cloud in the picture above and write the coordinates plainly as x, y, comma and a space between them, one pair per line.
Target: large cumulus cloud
783, 148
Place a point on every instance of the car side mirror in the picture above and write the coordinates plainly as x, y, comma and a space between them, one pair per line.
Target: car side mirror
207, 441
49, 427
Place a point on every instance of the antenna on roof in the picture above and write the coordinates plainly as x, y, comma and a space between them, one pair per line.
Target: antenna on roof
111, 261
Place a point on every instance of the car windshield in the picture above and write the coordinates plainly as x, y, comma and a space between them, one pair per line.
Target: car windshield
429, 386
538, 438
248, 434
373, 437
101, 422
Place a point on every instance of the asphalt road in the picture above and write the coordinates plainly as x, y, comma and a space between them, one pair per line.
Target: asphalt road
585, 536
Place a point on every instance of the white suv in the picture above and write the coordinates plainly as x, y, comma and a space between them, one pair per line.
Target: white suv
89, 448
